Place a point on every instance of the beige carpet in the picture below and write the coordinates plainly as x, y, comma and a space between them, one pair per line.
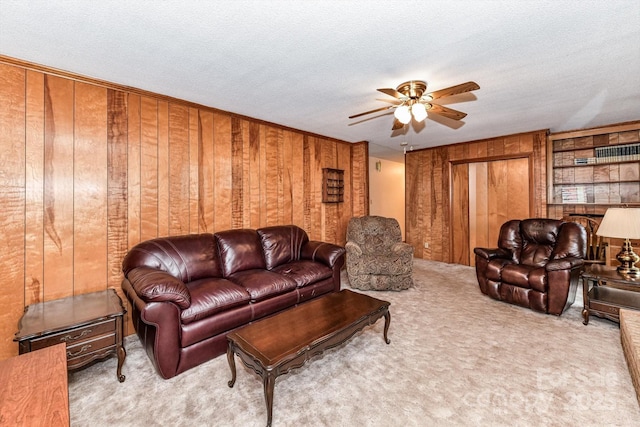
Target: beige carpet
456, 358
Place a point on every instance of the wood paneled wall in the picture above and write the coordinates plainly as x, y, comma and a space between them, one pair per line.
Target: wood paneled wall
89, 169
429, 186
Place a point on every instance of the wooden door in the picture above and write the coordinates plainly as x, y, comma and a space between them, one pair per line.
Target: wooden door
485, 196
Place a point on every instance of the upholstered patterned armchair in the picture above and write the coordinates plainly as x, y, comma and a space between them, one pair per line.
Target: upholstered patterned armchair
377, 259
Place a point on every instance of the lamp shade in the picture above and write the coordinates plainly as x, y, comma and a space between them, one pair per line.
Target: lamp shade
621, 223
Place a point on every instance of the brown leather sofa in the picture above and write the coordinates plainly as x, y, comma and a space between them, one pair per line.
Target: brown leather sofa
187, 292
537, 264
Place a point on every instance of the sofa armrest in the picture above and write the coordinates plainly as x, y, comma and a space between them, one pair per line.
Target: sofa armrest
402, 248
353, 249
490, 254
327, 253
153, 285
568, 263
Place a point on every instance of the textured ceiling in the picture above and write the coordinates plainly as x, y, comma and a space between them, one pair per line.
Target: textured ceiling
561, 65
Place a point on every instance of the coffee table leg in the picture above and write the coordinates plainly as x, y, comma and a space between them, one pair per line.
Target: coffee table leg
232, 365
387, 320
269, 381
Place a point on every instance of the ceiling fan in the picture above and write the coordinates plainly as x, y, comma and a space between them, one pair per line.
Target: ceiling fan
412, 101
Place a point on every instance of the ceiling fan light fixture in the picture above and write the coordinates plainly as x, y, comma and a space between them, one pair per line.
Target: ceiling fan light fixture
419, 111
403, 114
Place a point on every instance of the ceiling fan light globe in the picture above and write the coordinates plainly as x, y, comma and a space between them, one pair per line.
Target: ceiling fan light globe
419, 111
403, 114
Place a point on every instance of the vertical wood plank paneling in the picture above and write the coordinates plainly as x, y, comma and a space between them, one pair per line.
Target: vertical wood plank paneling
264, 201
271, 175
34, 188
539, 176
280, 178
286, 161
297, 180
318, 229
517, 188
246, 174
90, 171
498, 197
58, 187
179, 171
133, 169
255, 182
434, 188
346, 208
194, 171
148, 168
12, 198
223, 173
117, 196
237, 162
89, 189
206, 172
360, 178
460, 215
482, 207
163, 168
328, 210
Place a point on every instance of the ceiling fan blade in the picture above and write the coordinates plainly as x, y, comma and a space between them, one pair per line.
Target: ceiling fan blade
372, 111
453, 90
446, 112
391, 92
397, 124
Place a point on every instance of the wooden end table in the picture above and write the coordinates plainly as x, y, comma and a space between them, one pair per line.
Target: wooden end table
605, 292
91, 325
278, 344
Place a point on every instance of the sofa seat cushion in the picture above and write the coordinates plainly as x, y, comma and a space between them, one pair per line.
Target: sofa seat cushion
261, 284
525, 276
304, 272
210, 296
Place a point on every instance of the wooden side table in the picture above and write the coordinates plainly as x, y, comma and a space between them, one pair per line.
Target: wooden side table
605, 292
91, 325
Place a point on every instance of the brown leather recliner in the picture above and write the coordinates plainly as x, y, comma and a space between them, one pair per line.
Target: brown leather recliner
537, 264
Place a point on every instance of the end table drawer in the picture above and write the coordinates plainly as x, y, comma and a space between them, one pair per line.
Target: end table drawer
73, 336
81, 353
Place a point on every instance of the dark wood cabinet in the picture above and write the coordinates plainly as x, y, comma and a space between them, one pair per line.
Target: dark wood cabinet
91, 326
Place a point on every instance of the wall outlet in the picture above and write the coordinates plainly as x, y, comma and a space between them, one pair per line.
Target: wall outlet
426, 245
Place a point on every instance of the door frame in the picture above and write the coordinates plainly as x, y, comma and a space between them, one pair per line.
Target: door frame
453, 163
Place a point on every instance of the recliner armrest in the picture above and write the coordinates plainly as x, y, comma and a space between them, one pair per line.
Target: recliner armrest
153, 285
490, 254
567, 263
324, 252
402, 248
353, 249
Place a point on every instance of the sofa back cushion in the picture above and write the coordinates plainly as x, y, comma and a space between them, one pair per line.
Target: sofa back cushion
282, 244
239, 250
189, 257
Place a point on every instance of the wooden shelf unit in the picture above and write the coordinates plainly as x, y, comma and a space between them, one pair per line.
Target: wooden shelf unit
332, 185
593, 187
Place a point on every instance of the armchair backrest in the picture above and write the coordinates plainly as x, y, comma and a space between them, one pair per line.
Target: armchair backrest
536, 241
374, 234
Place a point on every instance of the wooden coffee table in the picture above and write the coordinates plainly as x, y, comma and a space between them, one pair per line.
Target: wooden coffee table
278, 344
